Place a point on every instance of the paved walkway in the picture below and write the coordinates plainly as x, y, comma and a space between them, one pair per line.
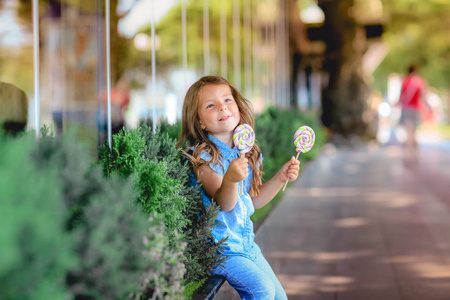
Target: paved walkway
362, 224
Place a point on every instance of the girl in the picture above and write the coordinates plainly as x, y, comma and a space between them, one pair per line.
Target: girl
212, 109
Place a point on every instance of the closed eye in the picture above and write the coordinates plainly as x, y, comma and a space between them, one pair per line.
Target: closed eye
209, 105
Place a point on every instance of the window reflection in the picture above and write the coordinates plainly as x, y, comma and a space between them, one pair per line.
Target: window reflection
241, 40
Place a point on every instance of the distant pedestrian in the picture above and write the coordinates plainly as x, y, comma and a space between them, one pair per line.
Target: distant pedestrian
212, 109
412, 98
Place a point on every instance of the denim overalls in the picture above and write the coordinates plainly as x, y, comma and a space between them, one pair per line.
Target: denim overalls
246, 269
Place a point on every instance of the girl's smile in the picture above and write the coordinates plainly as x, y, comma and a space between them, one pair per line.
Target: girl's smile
225, 118
218, 111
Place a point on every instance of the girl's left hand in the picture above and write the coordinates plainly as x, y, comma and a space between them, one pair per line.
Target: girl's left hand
290, 170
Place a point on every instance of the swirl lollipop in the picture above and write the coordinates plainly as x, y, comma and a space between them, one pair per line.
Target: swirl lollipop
304, 139
244, 139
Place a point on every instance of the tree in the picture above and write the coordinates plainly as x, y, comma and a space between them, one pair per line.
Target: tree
344, 102
417, 32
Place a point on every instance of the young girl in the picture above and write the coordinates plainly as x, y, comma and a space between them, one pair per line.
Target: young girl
212, 109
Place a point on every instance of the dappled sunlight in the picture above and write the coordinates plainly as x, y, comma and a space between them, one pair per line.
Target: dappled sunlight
402, 201
326, 192
308, 284
392, 199
350, 222
337, 256
381, 196
322, 257
431, 270
298, 284
420, 266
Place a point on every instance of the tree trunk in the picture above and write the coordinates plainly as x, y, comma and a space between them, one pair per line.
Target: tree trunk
344, 101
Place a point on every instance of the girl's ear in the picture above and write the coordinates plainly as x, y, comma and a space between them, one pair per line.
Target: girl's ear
202, 125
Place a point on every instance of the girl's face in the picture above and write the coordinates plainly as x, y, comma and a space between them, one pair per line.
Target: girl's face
218, 110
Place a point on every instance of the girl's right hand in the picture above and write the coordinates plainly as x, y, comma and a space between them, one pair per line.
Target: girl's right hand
237, 170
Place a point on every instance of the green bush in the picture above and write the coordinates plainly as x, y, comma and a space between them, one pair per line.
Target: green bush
67, 232
161, 181
202, 252
157, 191
36, 252
110, 229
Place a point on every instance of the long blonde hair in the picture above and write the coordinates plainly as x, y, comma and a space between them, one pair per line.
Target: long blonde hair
192, 131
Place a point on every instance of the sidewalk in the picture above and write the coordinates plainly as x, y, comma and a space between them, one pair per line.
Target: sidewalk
364, 224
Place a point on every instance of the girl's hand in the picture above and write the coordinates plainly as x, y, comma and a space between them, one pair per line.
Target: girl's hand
237, 170
289, 171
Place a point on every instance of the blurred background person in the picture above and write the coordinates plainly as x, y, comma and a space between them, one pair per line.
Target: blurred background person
412, 98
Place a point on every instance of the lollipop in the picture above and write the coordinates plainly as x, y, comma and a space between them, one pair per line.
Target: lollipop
304, 141
244, 139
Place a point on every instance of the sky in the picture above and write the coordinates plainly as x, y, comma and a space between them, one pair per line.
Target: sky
142, 14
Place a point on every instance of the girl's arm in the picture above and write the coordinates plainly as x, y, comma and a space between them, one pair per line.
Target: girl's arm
224, 189
269, 189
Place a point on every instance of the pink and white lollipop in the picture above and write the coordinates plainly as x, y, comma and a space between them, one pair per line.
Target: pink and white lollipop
244, 139
304, 139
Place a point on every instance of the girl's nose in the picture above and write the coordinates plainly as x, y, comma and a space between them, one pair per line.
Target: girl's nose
223, 107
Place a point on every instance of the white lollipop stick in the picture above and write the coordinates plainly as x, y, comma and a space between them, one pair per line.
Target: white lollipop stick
284, 187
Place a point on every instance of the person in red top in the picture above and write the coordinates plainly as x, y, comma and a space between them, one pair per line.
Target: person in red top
411, 100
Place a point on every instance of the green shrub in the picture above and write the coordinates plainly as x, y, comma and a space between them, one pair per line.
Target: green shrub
157, 192
202, 252
163, 278
67, 232
36, 252
173, 131
161, 181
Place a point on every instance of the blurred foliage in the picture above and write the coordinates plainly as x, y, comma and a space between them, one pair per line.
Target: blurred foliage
444, 130
67, 232
169, 31
417, 32
107, 225
36, 252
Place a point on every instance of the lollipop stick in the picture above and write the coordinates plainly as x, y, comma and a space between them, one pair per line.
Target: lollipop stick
242, 183
288, 177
